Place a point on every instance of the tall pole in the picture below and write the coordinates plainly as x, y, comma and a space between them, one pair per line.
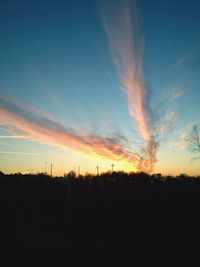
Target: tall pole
112, 167
97, 170
79, 171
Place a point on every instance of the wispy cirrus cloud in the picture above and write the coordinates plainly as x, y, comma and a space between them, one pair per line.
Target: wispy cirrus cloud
176, 93
183, 59
126, 40
127, 48
13, 137
180, 143
35, 124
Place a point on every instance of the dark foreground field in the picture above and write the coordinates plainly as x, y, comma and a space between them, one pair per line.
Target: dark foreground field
111, 219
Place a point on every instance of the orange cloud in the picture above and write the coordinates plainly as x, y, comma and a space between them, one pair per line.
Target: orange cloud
37, 125
127, 48
127, 45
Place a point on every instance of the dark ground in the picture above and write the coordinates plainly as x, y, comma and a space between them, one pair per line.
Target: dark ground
129, 220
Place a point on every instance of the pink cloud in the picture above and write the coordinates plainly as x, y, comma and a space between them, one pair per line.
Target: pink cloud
40, 126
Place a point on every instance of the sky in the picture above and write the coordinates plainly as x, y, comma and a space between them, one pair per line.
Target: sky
98, 83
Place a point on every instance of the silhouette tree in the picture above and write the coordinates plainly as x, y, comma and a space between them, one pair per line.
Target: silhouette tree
70, 175
193, 141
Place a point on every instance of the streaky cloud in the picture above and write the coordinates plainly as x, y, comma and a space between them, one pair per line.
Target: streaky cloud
176, 93
183, 59
13, 137
121, 20
126, 39
40, 126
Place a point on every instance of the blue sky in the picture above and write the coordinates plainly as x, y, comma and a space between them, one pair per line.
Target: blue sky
55, 56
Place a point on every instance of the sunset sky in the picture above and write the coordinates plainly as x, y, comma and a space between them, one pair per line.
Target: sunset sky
94, 83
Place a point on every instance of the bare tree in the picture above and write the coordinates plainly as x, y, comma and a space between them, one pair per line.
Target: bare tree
193, 141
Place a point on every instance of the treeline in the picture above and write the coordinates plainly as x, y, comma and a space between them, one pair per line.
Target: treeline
119, 176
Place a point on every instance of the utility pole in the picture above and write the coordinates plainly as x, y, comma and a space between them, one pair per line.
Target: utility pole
97, 170
112, 167
79, 171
